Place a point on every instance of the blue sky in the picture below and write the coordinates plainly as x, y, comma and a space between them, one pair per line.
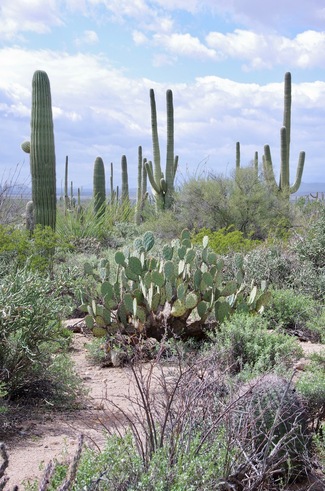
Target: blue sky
225, 61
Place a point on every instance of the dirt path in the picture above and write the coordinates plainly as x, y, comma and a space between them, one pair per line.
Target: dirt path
48, 436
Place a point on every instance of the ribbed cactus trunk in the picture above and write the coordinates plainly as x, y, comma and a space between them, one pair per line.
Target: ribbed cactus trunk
42, 152
162, 184
66, 196
170, 158
99, 187
142, 187
125, 181
285, 138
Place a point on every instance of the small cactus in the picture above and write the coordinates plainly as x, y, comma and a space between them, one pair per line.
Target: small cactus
29, 216
270, 421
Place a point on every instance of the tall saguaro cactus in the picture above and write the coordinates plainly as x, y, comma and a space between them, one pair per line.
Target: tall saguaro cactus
42, 152
142, 187
284, 186
99, 187
125, 182
162, 184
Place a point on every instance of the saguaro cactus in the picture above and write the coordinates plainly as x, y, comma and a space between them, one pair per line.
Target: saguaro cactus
162, 184
285, 135
42, 152
125, 182
99, 188
30, 216
142, 187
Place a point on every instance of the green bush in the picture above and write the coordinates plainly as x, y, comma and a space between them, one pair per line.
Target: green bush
79, 223
226, 240
30, 334
311, 384
310, 244
273, 264
18, 248
243, 201
245, 343
291, 310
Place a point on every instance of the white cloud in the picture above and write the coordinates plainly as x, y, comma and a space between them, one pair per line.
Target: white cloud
97, 108
87, 38
185, 45
33, 15
259, 51
139, 38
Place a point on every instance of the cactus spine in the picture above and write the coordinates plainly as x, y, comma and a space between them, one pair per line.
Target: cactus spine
285, 138
99, 189
42, 152
162, 184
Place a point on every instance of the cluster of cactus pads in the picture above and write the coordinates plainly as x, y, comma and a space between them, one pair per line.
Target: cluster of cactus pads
178, 291
271, 425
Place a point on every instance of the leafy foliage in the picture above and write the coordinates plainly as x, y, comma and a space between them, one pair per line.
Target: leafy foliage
19, 249
30, 334
290, 310
226, 240
311, 384
244, 343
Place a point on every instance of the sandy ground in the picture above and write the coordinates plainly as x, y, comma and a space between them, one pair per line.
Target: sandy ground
49, 435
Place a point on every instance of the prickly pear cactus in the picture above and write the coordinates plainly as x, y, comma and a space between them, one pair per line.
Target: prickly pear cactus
270, 421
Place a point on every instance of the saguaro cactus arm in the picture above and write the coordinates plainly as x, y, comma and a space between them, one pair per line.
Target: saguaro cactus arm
156, 187
301, 162
155, 138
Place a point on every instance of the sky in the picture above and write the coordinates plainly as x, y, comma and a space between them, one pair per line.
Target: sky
224, 60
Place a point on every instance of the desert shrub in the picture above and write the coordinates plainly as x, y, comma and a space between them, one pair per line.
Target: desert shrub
204, 203
291, 310
243, 200
31, 334
310, 243
18, 248
226, 240
78, 224
257, 212
244, 343
309, 280
311, 384
166, 225
281, 267
316, 325
12, 201
273, 264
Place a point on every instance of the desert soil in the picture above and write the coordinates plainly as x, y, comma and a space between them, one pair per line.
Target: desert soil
45, 436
